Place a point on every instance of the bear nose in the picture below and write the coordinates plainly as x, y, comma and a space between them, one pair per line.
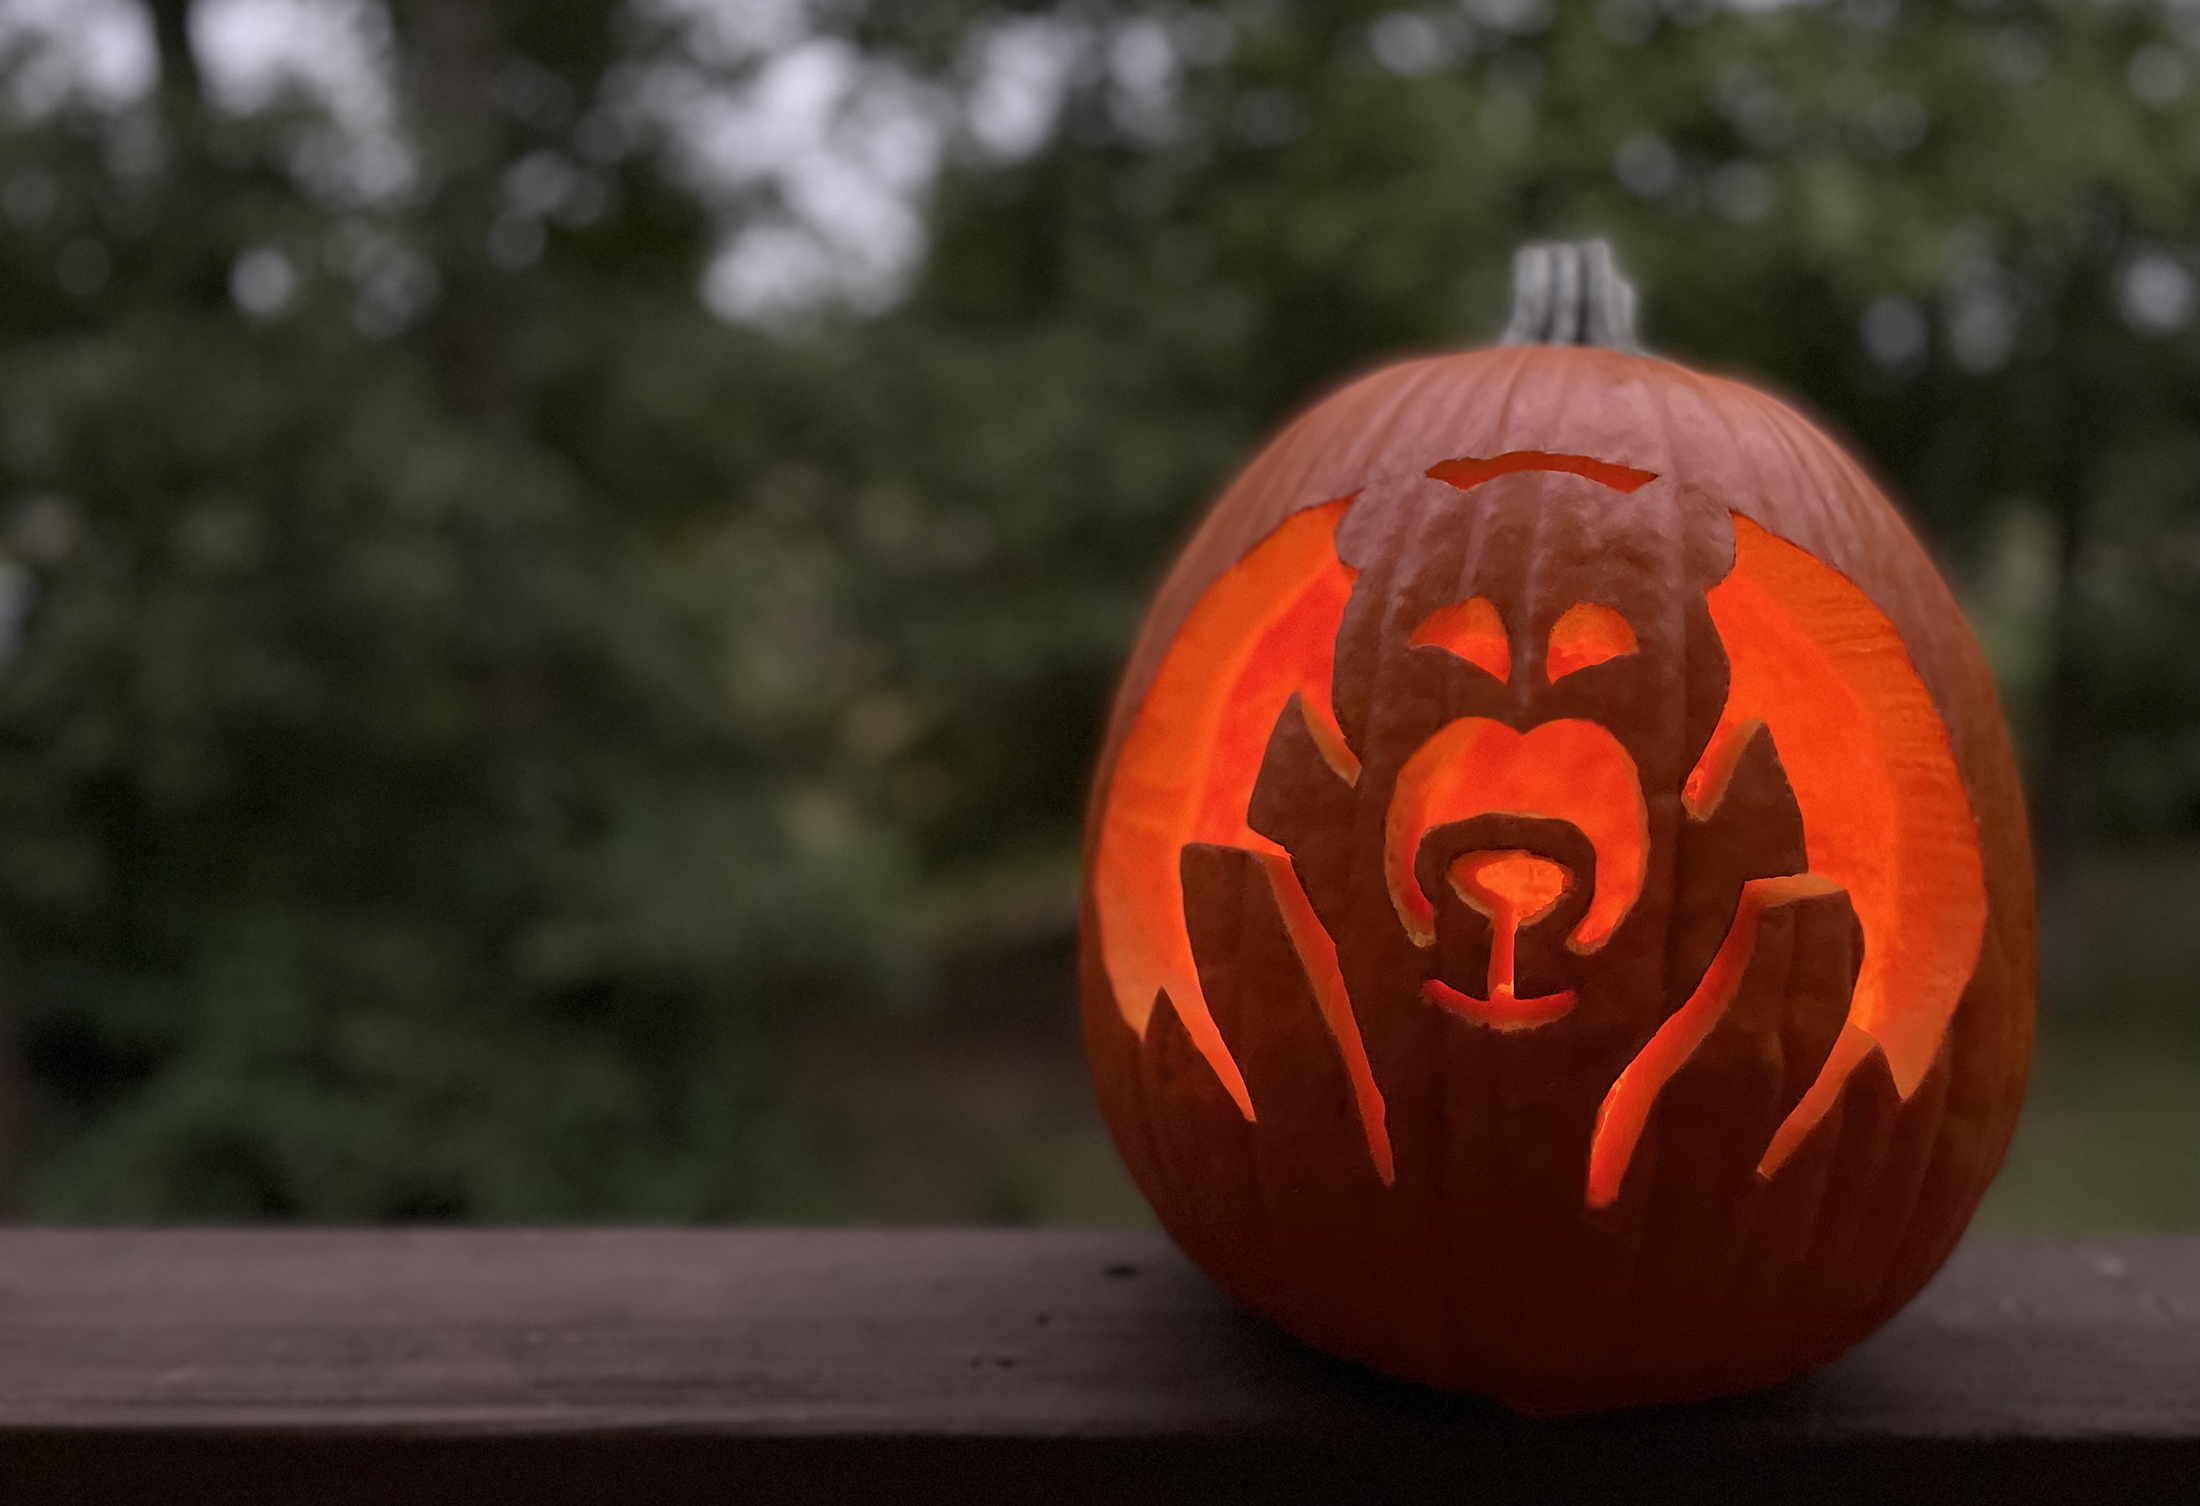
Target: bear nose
1512, 887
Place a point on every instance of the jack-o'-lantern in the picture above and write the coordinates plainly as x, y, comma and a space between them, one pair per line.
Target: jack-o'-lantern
1558, 907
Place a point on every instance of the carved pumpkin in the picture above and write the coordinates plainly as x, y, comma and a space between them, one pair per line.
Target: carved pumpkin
1558, 909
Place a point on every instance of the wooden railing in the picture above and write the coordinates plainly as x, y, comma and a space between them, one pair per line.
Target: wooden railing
629, 1365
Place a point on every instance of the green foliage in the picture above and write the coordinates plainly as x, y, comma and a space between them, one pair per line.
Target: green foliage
393, 824
474, 710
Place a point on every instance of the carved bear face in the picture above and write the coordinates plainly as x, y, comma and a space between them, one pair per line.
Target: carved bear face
1534, 880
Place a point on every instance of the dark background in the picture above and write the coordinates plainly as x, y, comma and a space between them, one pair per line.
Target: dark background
562, 559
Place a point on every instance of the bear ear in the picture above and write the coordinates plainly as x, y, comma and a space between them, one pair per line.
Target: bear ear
1588, 634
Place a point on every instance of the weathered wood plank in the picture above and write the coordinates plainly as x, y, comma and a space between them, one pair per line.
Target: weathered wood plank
632, 1364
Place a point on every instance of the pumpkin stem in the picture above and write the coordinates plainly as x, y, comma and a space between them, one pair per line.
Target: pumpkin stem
1571, 293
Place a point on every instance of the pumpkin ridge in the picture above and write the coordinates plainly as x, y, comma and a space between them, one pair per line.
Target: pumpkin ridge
1927, 1108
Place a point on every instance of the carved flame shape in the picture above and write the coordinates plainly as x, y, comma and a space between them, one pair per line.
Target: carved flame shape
1885, 814
1262, 633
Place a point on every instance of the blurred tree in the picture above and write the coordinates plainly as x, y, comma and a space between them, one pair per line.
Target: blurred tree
468, 701
380, 837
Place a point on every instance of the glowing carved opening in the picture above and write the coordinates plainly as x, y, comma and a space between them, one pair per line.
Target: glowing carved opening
1470, 470
1588, 634
1471, 630
1265, 631
1514, 889
1626, 1108
1520, 885
1885, 814
1573, 770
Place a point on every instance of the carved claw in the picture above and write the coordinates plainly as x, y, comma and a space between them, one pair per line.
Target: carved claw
1626, 1108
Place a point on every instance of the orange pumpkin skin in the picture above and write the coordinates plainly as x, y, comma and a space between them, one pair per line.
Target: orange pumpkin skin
1808, 946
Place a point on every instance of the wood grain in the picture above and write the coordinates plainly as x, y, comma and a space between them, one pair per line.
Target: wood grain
641, 1364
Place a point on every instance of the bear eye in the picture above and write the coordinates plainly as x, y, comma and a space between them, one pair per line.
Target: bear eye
1588, 634
1471, 631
